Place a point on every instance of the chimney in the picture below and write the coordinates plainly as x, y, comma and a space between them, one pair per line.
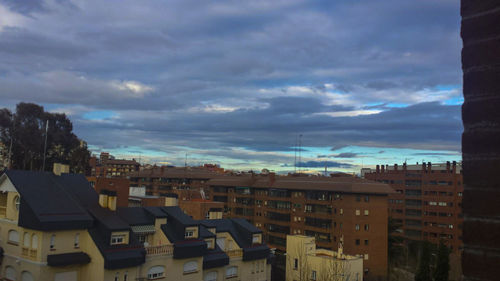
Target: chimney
423, 167
454, 167
383, 169
171, 199
103, 198
448, 166
112, 200
59, 169
395, 167
429, 167
404, 166
378, 169
272, 178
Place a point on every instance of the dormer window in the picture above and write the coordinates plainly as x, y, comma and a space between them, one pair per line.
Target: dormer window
117, 239
256, 239
189, 234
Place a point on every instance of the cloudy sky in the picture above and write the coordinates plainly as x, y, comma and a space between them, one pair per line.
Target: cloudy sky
237, 82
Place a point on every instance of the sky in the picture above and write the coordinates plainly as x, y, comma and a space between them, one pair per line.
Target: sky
242, 83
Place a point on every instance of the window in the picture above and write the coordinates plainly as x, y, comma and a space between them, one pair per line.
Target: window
357, 227
117, 239
189, 234
13, 237
231, 271
256, 239
367, 227
125, 276
26, 276
141, 238
34, 241
367, 212
357, 241
17, 202
366, 257
190, 267
211, 276
117, 275
295, 264
367, 198
156, 272
358, 212
52, 241
313, 275
26, 240
10, 273
209, 244
366, 242
77, 240
341, 211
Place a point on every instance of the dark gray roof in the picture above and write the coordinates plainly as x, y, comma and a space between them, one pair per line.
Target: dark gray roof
240, 229
49, 202
135, 216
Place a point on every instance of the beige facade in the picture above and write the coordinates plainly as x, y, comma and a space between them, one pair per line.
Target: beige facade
26, 252
305, 262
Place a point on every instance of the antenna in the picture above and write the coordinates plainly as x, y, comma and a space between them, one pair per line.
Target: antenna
300, 150
45, 145
295, 160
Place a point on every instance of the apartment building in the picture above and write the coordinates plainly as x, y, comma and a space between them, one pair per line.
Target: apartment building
56, 227
327, 208
306, 262
108, 166
163, 180
427, 202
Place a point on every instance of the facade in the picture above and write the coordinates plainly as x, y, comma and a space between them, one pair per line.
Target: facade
108, 166
428, 201
305, 262
164, 180
118, 185
56, 227
326, 208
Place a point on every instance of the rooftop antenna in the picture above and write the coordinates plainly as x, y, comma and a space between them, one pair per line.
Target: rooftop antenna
295, 160
300, 150
45, 145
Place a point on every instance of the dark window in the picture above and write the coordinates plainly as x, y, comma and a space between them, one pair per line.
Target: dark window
357, 241
366, 242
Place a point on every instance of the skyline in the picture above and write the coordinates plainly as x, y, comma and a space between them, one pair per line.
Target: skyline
235, 83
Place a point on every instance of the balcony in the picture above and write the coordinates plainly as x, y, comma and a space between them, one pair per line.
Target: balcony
234, 253
29, 253
159, 250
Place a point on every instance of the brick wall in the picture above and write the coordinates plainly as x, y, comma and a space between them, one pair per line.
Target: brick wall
481, 138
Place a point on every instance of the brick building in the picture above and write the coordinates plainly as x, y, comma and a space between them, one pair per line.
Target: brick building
332, 209
108, 166
427, 202
163, 180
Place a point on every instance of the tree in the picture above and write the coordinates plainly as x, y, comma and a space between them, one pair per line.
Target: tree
424, 266
23, 134
442, 264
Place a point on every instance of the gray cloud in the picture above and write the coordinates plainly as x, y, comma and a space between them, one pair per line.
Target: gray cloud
236, 75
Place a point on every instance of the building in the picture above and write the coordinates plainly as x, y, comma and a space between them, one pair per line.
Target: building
163, 180
118, 185
326, 208
108, 166
56, 227
305, 262
428, 201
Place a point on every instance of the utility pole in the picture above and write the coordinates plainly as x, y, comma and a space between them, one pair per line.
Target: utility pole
45, 145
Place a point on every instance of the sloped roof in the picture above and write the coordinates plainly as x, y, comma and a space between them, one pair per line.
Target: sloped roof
50, 202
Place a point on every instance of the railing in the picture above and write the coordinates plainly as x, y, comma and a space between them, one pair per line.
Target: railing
160, 250
234, 253
29, 253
